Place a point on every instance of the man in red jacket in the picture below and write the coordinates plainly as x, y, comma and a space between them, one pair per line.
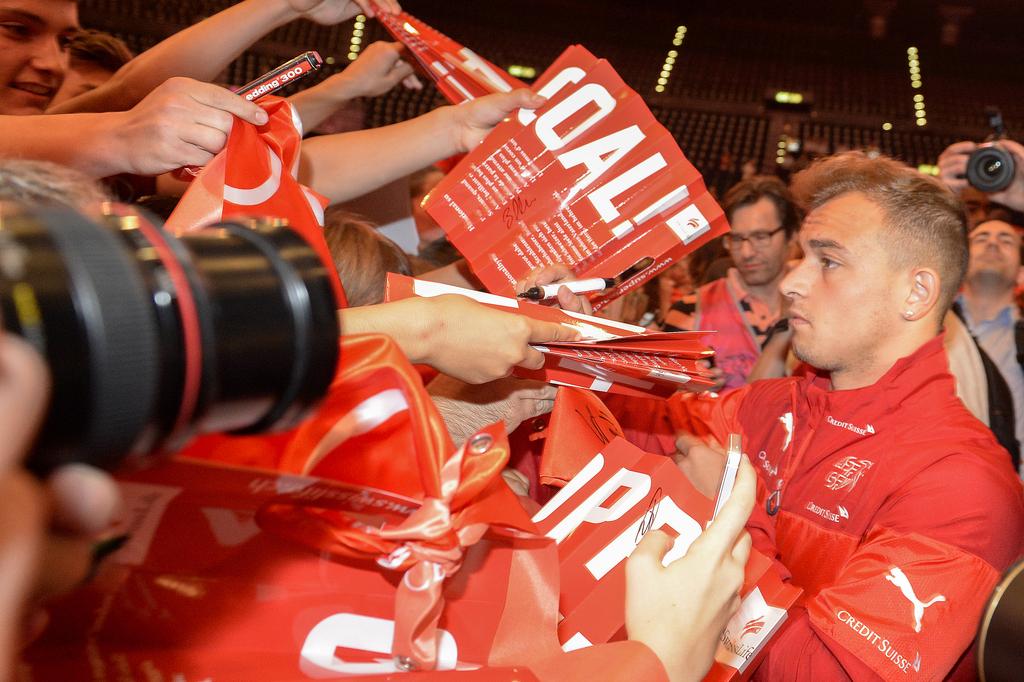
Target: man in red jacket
893, 507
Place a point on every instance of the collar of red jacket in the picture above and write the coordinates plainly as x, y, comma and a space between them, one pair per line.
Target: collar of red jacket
922, 375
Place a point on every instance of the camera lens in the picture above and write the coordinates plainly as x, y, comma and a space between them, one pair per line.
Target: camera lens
990, 168
151, 339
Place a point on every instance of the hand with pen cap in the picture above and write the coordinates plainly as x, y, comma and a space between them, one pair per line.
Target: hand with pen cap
183, 122
701, 462
46, 530
680, 610
329, 12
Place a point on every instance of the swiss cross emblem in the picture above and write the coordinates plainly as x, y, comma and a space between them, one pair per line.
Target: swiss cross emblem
847, 472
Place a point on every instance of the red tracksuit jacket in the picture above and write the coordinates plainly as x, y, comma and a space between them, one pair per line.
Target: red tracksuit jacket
891, 505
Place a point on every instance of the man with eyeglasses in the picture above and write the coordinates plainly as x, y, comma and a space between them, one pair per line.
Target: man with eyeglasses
988, 308
745, 306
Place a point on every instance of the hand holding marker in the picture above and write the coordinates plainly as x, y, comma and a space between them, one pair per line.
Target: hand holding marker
585, 286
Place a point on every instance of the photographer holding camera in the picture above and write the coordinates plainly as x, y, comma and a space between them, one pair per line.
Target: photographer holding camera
995, 166
986, 303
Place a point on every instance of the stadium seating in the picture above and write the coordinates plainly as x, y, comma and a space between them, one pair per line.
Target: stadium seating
727, 65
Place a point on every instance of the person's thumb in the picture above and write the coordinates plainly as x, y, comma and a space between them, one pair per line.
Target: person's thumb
653, 547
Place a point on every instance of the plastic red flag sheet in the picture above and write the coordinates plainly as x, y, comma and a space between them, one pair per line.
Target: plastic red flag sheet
599, 517
590, 179
231, 573
610, 356
203, 591
255, 175
459, 73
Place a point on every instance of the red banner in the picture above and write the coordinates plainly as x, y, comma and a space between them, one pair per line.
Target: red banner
254, 176
458, 72
217, 579
610, 500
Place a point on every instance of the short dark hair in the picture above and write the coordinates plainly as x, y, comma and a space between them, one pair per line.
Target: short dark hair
757, 187
925, 220
99, 48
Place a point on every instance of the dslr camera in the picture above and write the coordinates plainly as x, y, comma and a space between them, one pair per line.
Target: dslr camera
990, 168
152, 338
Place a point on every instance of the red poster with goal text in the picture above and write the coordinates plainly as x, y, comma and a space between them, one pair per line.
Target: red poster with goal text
589, 179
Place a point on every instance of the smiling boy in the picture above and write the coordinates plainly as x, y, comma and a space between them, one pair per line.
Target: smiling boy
34, 37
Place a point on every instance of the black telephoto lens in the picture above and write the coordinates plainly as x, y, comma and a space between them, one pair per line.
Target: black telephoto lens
152, 339
990, 168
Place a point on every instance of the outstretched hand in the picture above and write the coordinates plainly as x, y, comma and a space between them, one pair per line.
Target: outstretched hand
378, 69
475, 119
477, 344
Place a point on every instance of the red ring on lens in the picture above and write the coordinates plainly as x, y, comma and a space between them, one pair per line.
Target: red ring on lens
189, 323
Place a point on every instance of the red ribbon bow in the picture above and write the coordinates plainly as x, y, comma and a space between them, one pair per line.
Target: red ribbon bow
462, 495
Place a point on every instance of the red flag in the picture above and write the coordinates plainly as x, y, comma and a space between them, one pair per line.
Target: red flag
255, 175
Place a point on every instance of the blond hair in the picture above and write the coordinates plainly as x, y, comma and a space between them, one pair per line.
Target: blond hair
363, 256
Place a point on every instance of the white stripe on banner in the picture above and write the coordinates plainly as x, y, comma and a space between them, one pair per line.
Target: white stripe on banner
429, 289
297, 122
257, 195
314, 205
364, 417
603, 376
632, 328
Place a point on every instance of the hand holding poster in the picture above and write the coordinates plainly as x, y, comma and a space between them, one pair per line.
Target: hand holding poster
589, 179
609, 356
601, 515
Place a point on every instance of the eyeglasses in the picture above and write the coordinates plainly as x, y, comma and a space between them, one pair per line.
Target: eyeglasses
758, 240
1003, 238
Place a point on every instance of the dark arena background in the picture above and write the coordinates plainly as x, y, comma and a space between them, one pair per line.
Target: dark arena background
766, 83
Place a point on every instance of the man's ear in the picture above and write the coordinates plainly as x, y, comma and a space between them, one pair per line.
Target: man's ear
1020, 277
925, 289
